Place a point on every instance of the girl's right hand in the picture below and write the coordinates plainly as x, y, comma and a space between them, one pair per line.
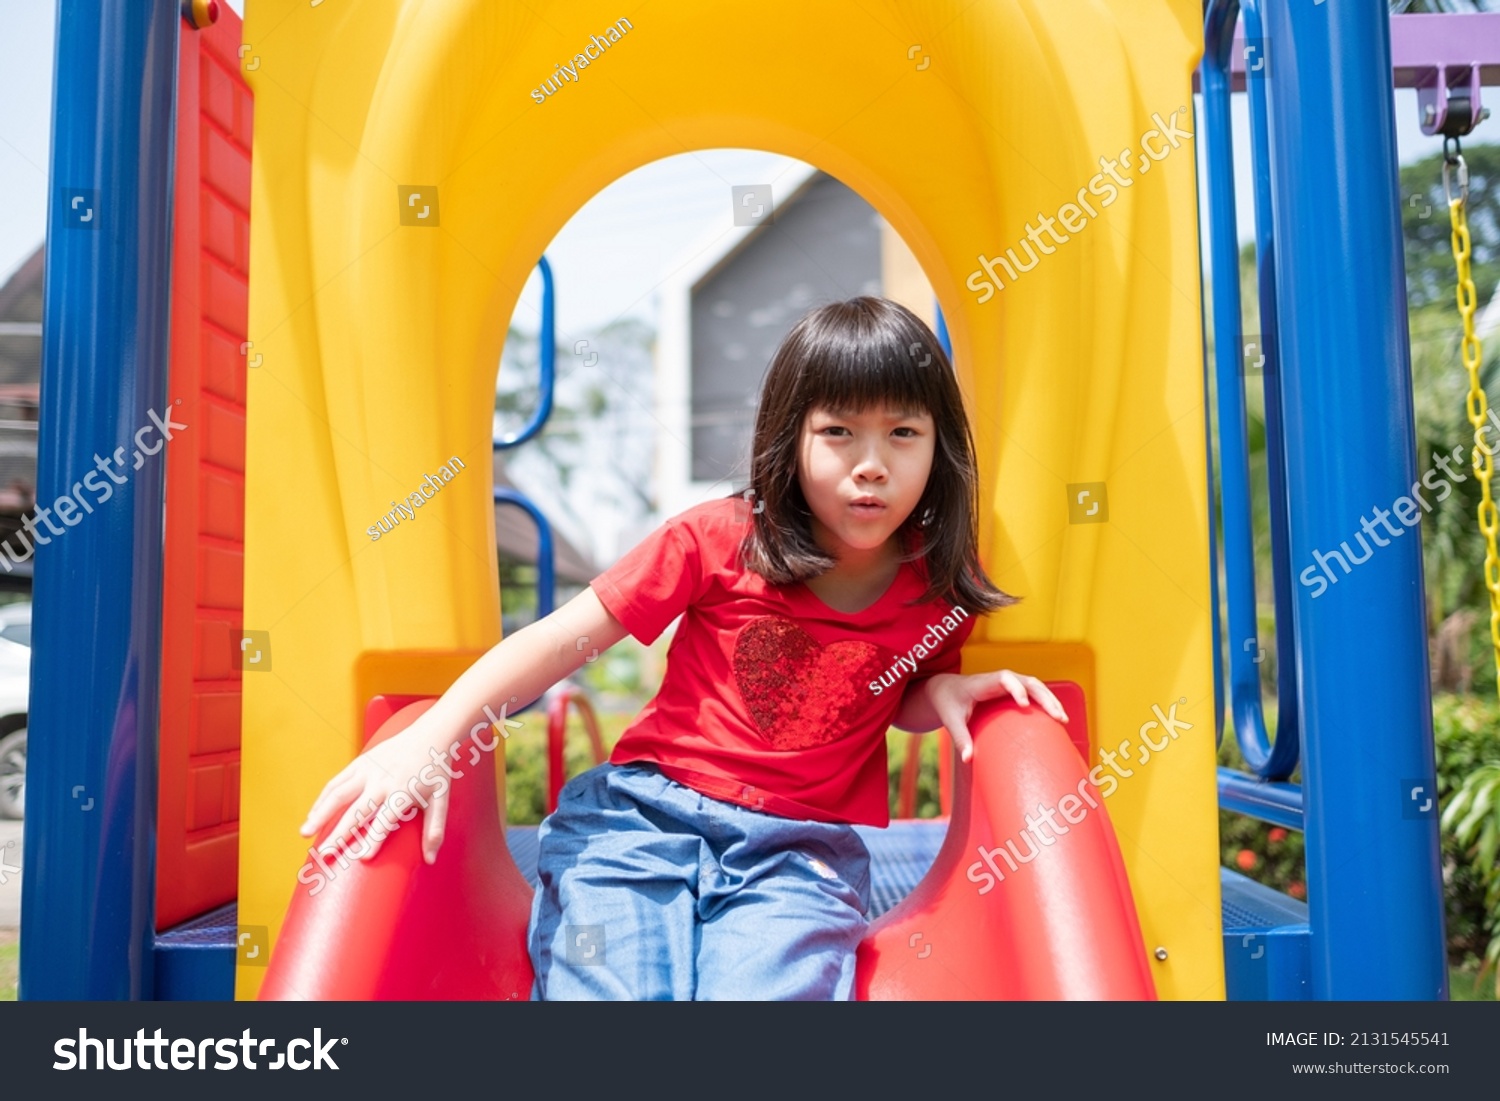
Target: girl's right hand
406, 763
417, 761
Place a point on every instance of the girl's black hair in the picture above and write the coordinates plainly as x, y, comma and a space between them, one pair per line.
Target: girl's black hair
850, 357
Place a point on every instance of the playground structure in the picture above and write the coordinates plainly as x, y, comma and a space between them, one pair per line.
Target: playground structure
330, 349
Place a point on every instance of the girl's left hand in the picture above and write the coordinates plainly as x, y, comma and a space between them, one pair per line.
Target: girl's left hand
953, 698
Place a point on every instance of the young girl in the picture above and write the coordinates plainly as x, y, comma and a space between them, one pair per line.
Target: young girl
713, 856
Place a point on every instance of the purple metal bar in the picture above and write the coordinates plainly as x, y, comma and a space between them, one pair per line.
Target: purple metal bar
1432, 97
1422, 46
1420, 43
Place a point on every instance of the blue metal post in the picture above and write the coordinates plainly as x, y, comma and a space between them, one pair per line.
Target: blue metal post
91, 787
1374, 888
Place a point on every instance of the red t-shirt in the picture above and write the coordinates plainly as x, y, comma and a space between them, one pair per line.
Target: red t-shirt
771, 699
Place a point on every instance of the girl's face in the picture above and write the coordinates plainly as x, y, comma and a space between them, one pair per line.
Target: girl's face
863, 473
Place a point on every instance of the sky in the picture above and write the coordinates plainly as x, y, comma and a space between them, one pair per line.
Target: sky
608, 259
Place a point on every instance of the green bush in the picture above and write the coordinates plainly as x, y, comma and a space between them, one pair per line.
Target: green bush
898, 744
1466, 731
526, 759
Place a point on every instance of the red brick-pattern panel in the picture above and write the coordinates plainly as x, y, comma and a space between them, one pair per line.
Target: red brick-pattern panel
203, 575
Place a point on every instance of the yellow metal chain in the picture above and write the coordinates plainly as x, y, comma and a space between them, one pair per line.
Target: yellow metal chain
1478, 408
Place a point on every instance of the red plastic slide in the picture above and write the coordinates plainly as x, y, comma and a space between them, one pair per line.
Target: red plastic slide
1060, 924
1010, 910
397, 928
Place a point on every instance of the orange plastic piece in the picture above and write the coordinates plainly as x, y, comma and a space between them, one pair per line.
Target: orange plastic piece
1061, 925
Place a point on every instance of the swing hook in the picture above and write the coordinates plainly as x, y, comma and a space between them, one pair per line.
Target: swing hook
1456, 157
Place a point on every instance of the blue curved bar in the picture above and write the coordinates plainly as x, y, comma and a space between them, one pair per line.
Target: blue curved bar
546, 559
942, 331
95, 667
1266, 760
548, 342
1288, 729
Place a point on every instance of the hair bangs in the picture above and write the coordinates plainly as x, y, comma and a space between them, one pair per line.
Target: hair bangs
873, 360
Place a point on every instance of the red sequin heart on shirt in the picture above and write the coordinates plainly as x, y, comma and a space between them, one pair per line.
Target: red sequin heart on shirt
800, 692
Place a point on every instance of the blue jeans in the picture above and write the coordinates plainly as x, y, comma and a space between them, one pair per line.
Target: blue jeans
650, 891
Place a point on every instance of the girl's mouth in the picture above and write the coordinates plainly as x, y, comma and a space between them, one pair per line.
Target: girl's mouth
867, 508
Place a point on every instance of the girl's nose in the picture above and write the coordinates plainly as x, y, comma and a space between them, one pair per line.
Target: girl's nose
870, 468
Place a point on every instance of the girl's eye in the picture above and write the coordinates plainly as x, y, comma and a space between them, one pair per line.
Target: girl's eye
910, 432
833, 428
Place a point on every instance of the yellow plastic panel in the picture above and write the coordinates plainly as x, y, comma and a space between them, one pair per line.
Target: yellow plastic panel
961, 122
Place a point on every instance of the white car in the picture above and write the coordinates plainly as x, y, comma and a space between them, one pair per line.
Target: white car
15, 694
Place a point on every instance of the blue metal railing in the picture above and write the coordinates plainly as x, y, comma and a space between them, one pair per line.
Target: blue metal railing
1266, 760
1271, 801
1288, 724
546, 557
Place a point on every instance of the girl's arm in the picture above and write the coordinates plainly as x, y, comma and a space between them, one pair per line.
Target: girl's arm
915, 713
947, 700
514, 673
521, 667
